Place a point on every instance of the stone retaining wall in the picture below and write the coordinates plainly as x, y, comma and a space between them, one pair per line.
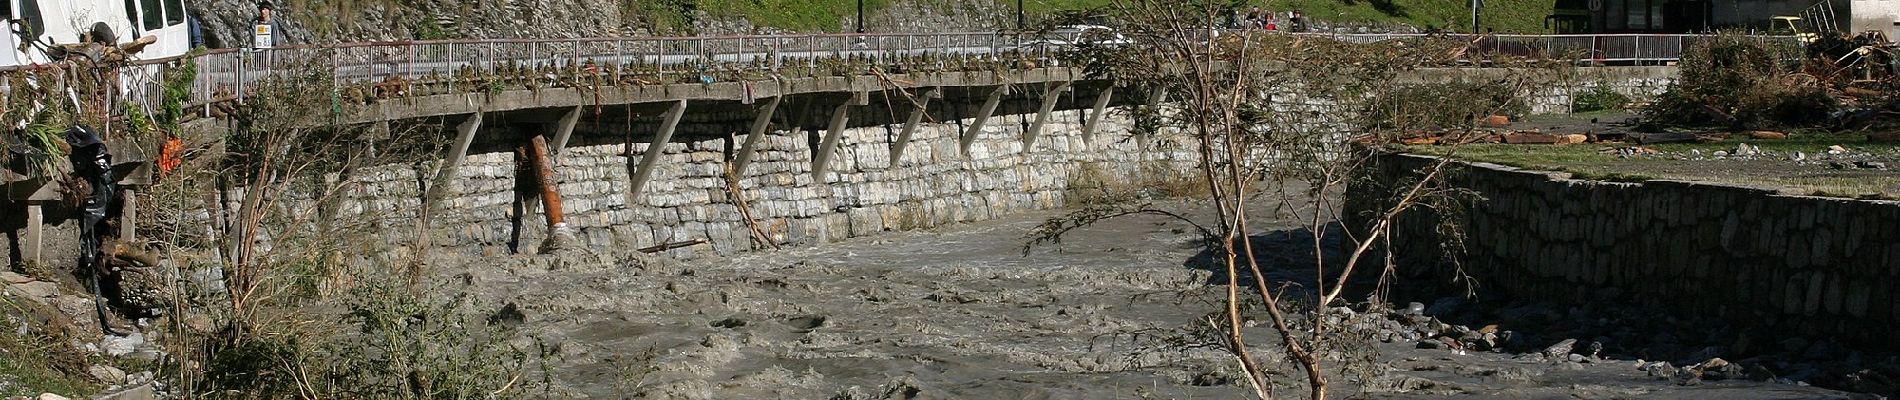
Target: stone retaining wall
862, 194
1793, 264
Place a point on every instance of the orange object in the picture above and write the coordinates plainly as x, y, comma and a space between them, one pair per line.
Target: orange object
170, 155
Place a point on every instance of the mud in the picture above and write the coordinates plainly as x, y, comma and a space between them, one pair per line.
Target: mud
963, 312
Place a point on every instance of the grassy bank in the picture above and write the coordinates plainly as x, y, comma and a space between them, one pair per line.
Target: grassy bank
1695, 162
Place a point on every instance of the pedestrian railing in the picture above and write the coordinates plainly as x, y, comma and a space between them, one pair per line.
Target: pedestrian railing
230, 74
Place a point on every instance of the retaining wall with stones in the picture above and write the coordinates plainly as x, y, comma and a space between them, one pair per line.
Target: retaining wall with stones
1758, 258
687, 198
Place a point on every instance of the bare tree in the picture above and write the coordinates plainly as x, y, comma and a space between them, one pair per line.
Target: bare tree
1290, 120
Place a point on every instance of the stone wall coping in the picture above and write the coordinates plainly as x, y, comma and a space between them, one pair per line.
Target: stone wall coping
1565, 177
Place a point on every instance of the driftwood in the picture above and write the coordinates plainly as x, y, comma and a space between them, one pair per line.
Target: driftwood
670, 246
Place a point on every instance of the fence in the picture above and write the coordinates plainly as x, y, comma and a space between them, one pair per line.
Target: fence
226, 74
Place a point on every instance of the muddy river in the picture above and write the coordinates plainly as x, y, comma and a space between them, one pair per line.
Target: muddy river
961, 312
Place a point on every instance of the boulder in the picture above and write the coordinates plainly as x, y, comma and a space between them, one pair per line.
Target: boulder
13, 278
107, 374
1561, 348
39, 292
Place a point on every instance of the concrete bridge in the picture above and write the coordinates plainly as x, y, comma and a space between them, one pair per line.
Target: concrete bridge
658, 92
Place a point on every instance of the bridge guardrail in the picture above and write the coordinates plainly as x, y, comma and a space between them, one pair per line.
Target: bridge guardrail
229, 74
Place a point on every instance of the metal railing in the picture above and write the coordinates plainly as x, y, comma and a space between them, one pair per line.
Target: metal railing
1604, 48
229, 74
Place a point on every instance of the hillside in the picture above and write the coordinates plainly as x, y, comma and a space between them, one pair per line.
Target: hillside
226, 21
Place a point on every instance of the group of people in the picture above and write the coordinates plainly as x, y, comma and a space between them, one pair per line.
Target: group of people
1266, 20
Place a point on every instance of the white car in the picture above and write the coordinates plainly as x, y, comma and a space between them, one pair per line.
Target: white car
1073, 35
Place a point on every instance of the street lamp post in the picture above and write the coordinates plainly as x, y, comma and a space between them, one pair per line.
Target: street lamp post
1475, 5
860, 16
1019, 15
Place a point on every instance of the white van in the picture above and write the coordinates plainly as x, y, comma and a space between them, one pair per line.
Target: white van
67, 21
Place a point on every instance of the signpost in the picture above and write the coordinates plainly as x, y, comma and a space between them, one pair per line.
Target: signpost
261, 36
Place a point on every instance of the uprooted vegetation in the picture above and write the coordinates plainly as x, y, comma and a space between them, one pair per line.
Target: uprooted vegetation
1745, 82
1271, 116
264, 290
1740, 82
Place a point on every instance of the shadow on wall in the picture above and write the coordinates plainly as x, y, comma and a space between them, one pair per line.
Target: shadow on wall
1285, 256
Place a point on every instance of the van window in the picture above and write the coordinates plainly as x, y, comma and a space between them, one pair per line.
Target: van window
174, 12
153, 19
132, 15
30, 12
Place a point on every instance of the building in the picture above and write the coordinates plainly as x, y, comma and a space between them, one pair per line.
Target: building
1690, 16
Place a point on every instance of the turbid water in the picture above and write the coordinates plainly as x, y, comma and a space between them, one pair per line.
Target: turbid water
961, 312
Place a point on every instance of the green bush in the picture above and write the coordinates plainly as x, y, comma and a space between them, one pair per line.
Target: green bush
1598, 98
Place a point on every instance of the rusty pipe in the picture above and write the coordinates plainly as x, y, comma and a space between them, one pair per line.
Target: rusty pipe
544, 176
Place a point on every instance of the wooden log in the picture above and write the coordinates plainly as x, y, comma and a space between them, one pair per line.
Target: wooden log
544, 177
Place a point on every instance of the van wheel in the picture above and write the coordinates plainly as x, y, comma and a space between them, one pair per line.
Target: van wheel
100, 33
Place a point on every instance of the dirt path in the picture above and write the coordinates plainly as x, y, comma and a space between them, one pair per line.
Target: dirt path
962, 313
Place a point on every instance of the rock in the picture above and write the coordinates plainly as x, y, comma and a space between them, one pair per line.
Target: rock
1798, 157
50, 396
1431, 344
1720, 154
1413, 308
1561, 348
38, 292
1744, 149
1837, 165
1716, 369
1767, 135
1575, 358
1870, 165
1686, 376
122, 345
106, 373
143, 391
1836, 150
1573, 138
13, 278
1870, 381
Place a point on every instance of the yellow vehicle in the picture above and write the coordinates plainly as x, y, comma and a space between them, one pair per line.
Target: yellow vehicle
1790, 26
